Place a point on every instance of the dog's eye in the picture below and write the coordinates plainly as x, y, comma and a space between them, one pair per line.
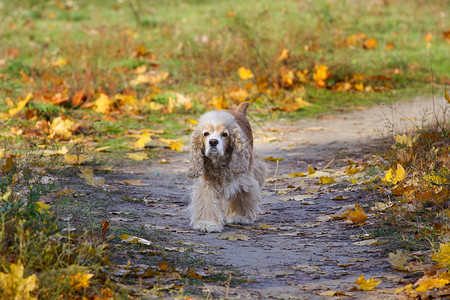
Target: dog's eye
206, 134
224, 134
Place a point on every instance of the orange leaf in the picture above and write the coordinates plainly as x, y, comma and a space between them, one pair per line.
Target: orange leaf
358, 215
284, 54
105, 227
370, 44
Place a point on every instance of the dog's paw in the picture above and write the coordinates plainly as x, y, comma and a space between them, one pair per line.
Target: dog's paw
239, 220
207, 226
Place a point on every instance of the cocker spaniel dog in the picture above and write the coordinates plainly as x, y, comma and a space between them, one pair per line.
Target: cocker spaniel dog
228, 175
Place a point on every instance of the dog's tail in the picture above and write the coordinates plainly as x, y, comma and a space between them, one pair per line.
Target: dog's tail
242, 108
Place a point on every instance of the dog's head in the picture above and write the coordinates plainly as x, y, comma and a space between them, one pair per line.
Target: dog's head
219, 138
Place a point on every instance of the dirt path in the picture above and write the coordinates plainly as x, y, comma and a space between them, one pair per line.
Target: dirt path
289, 254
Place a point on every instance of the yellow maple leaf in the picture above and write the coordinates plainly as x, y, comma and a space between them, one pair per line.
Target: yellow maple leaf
151, 78
193, 122
20, 105
144, 138
356, 216
80, 280
88, 175
61, 127
400, 174
443, 256
219, 102
43, 207
74, 159
326, 180
299, 174
173, 144
447, 97
153, 105
15, 286
176, 145
138, 156
302, 103
245, 74
430, 283
60, 62
367, 285
103, 104
405, 140
303, 75
284, 54
359, 87
321, 74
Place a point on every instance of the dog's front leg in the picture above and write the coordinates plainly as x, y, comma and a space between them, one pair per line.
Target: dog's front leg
206, 211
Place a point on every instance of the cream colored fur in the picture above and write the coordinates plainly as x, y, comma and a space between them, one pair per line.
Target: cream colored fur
228, 175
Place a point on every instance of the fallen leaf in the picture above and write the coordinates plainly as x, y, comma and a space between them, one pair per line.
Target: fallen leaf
80, 280
442, 257
309, 269
370, 43
398, 260
151, 78
426, 283
134, 239
400, 174
20, 105
300, 198
144, 138
244, 73
138, 156
103, 149
302, 103
428, 37
88, 175
369, 242
284, 54
265, 226
326, 180
299, 174
233, 236
333, 294
367, 285
61, 128
104, 228
321, 74
193, 122
356, 216
103, 104
176, 145
15, 285
164, 266
74, 159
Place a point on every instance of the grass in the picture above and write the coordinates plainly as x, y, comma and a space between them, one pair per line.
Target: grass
68, 53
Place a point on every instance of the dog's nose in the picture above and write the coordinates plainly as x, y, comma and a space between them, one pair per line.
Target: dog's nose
213, 142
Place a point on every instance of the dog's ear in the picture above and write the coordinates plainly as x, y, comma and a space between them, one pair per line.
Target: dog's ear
240, 158
196, 160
